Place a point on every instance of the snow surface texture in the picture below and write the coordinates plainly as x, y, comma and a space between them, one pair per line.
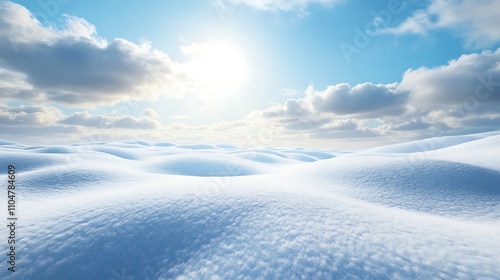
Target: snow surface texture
137, 210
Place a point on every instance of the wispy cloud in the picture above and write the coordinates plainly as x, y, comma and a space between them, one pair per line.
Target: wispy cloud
476, 21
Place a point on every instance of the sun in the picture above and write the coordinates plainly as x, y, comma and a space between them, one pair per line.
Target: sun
219, 68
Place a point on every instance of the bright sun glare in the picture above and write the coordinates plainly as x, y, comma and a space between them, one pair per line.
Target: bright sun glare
220, 68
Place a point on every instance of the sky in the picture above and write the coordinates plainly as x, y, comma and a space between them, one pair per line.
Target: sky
335, 74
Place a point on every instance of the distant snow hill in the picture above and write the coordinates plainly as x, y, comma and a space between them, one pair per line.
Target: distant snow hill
427, 209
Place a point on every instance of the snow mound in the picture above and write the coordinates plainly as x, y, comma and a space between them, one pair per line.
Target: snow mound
425, 185
198, 164
483, 152
56, 150
27, 161
197, 147
118, 152
141, 210
262, 157
430, 144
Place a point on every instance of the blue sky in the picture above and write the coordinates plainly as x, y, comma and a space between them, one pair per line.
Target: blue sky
230, 70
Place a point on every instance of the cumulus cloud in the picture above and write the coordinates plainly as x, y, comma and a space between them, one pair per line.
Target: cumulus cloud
74, 66
296, 114
342, 99
29, 115
476, 21
338, 109
363, 99
448, 97
460, 96
35, 122
472, 76
102, 121
48, 124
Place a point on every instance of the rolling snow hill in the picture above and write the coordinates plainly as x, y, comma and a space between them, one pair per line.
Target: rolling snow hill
427, 209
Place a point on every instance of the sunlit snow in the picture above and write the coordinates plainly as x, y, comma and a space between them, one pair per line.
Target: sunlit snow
138, 210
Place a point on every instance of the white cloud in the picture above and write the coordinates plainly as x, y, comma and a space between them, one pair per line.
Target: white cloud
476, 21
469, 76
48, 124
342, 99
29, 115
106, 122
462, 96
337, 111
150, 113
34, 123
14, 83
75, 66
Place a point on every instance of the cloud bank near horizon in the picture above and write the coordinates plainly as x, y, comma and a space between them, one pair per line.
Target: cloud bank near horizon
463, 95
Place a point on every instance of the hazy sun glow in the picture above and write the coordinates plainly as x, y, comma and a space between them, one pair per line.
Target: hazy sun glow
220, 68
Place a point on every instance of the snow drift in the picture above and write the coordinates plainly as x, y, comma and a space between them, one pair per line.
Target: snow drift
138, 210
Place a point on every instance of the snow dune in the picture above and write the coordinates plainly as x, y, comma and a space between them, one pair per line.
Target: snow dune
140, 210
